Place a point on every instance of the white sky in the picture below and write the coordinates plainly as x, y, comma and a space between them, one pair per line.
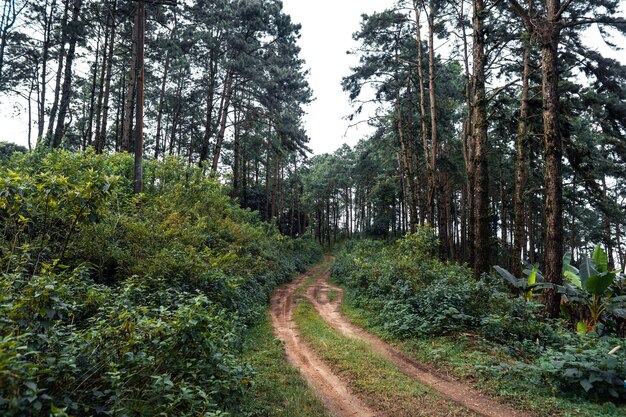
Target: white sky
327, 28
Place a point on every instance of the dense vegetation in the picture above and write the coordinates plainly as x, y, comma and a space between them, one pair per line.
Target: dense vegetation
409, 295
126, 304
499, 139
506, 139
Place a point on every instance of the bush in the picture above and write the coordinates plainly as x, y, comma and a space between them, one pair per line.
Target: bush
112, 303
407, 294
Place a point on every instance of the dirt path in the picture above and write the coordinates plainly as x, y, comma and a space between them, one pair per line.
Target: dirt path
460, 393
332, 390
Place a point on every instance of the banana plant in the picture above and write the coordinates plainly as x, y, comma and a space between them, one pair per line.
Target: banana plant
591, 285
527, 285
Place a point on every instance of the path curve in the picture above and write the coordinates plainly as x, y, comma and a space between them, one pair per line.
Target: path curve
449, 388
332, 390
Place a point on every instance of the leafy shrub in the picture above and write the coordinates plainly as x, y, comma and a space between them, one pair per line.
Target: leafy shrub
118, 304
580, 365
408, 294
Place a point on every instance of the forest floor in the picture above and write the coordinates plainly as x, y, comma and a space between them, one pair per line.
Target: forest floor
354, 372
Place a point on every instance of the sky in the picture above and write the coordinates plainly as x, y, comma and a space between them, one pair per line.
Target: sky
327, 28
326, 36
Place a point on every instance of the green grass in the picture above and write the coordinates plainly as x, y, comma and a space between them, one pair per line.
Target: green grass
278, 390
465, 355
369, 375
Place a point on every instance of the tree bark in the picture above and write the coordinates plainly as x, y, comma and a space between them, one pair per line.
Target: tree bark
208, 130
157, 140
433, 114
45, 54
141, 22
228, 91
521, 168
94, 82
57, 83
130, 97
67, 81
553, 155
101, 121
481, 188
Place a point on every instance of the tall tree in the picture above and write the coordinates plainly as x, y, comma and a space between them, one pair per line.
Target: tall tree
479, 107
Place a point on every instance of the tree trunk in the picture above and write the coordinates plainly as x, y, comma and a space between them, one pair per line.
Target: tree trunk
481, 188
45, 54
57, 84
208, 130
67, 81
228, 91
433, 110
130, 97
94, 81
503, 218
553, 160
606, 220
157, 141
141, 22
467, 214
430, 169
521, 168
101, 123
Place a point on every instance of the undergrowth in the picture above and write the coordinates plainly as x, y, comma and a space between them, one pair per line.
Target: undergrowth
479, 330
113, 303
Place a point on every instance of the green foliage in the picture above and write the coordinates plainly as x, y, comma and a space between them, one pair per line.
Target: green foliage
592, 286
129, 305
414, 294
409, 295
7, 149
586, 366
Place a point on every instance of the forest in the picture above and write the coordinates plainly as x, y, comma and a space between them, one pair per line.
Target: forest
171, 244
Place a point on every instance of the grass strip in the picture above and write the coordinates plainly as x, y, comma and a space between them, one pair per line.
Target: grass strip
369, 375
278, 390
311, 279
462, 355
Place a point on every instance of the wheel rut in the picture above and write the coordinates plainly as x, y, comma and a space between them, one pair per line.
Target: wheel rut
449, 388
336, 393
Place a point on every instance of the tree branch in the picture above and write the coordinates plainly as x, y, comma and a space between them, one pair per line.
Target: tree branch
606, 20
523, 14
562, 10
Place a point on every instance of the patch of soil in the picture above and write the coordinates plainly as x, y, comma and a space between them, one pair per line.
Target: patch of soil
449, 388
331, 389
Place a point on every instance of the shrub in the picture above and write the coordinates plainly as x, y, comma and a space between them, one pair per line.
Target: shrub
113, 303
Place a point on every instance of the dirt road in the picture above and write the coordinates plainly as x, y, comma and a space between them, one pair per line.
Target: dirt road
335, 392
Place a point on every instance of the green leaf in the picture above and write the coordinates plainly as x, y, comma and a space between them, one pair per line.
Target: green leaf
619, 312
581, 328
601, 259
532, 280
587, 269
573, 278
518, 283
570, 273
567, 259
598, 284
586, 384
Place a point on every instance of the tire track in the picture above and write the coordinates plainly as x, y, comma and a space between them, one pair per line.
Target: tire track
449, 388
334, 393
